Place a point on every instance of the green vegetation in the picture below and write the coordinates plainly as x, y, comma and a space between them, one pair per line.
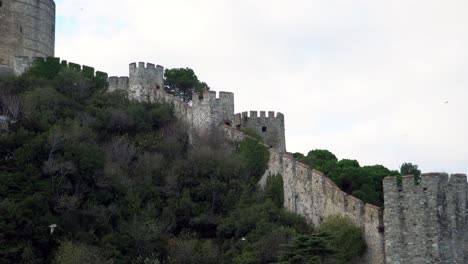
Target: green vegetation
410, 169
337, 241
364, 182
123, 185
183, 82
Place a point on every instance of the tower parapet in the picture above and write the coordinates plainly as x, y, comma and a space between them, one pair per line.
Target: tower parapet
426, 222
144, 79
210, 112
270, 127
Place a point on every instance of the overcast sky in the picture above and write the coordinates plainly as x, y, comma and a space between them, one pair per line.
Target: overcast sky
383, 82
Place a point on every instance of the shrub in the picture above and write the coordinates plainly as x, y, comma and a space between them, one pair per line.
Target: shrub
255, 157
346, 238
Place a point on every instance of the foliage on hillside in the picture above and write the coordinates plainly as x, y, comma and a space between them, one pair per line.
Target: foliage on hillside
123, 185
337, 241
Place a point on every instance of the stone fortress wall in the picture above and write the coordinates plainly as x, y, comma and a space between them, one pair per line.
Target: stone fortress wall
27, 28
314, 196
311, 194
426, 222
306, 192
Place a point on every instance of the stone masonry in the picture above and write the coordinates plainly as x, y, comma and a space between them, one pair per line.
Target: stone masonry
402, 238
27, 28
426, 222
270, 127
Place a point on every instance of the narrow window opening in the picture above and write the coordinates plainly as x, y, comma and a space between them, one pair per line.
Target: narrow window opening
1, 3
227, 123
21, 30
381, 229
264, 129
238, 126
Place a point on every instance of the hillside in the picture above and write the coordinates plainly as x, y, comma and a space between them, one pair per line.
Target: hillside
122, 184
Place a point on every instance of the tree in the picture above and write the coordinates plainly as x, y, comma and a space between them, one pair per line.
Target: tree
308, 249
408, 168
76, 253
183, 82
345, 238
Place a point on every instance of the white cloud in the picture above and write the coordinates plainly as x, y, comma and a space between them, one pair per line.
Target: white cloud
365, 79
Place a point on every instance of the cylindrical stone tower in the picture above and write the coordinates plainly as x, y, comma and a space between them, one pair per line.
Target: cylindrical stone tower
27, 28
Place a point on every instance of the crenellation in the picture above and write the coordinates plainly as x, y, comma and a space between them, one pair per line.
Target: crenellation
426, 222
409, 184
458, 179
311, 194
270, 128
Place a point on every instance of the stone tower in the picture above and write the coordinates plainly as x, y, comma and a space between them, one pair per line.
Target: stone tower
27, 29
210, 112
145, 80
270, 127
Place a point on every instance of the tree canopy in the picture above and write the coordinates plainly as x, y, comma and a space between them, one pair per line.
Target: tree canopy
364, 182
183, 82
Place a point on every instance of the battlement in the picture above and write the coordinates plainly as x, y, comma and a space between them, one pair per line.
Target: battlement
143, 65
268, 124
427, 182
255, 114
435, 207
144, 80
118, 83
22, 63
213, 95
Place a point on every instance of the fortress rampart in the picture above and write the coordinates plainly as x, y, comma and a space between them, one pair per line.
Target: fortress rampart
27, 28
23, 63
209, 110
421, 223
426, 222
394, 238
311, 194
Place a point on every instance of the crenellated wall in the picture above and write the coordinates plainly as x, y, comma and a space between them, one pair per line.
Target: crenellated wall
118, 83
311, 194
423, 224
428, 222
270, 127
146, 83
